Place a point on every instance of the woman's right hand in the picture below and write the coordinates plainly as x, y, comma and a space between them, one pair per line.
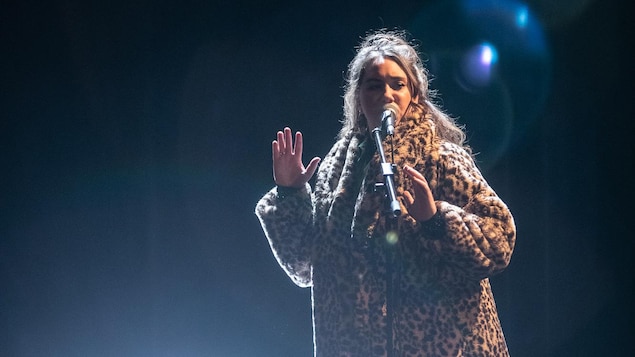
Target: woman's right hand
288, 169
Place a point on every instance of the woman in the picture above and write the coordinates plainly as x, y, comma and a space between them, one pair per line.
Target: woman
414, 285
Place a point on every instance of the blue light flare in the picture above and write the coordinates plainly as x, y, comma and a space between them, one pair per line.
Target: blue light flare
522, 16
492, 64
478, 66
489, 55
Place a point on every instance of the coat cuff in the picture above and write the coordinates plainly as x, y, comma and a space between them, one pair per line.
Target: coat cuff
283, 192
435, 226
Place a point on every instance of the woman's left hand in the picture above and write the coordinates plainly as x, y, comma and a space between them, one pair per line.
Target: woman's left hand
420, 204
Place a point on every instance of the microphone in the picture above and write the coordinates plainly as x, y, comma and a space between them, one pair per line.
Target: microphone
388, 118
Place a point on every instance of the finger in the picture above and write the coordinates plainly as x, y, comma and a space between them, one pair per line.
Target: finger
297, 149
275, 150
281, 143
421, 189
421, 183
409, 200
288, 141
416, 177
412, 173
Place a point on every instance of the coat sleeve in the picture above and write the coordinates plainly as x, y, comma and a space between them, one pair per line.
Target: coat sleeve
473, 230
286, 221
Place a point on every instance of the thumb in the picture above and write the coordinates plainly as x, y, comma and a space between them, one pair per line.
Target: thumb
313, 165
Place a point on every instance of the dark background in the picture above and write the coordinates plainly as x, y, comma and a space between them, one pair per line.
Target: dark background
136, 141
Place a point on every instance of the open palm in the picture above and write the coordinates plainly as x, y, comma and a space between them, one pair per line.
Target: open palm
288, 169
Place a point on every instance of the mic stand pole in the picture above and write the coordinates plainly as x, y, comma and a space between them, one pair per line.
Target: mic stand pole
387, 172
395, 211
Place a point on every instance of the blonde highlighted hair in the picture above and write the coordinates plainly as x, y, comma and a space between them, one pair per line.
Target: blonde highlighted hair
394, 45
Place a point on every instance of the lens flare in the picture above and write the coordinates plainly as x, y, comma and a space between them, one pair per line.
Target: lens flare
392, 237
492, 65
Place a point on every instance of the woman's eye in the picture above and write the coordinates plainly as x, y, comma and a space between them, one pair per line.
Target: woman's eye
373, 86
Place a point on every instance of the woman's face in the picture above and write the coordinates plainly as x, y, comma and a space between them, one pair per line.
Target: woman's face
383, 82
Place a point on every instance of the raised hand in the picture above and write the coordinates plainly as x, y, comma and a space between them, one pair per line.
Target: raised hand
288, 169
420, 205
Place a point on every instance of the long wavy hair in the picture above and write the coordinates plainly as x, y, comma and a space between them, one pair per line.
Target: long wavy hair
394, 45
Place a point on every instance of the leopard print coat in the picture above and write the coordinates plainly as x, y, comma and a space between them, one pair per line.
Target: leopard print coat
386, 287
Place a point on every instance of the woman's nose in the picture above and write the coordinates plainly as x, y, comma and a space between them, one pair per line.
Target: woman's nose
388, 94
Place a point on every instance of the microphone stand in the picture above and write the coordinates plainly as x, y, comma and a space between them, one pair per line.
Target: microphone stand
387, 172
395, 211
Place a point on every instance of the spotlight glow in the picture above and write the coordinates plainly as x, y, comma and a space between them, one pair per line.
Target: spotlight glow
489, 55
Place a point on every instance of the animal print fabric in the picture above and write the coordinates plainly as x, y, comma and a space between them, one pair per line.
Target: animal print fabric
423, 292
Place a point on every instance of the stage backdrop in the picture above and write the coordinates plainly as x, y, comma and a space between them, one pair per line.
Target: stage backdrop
136, 140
